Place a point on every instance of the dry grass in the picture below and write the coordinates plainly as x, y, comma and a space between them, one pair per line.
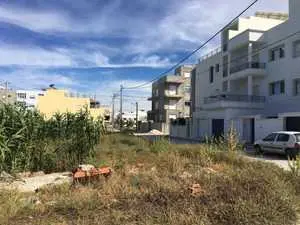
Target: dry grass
149, 186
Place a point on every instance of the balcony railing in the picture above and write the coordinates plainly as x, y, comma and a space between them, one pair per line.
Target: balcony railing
235, 98
247, 65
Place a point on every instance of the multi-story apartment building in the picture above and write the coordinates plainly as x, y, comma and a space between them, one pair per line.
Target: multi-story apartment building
251, 83
171, 96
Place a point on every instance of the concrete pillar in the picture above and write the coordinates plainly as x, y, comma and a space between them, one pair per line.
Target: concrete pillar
229, 86
250, 50
229, 64
250, 85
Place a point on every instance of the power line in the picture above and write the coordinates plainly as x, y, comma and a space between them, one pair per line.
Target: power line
193, 52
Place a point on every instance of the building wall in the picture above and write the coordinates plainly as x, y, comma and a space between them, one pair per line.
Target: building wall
160, 100
57, 101
287, 69
29, 97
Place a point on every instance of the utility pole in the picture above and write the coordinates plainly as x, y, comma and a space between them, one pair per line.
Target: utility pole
121, 107
113, 110
137, 116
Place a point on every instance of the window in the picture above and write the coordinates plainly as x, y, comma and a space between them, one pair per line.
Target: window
217, 68
156, 105
211, 74
277, 88
32, 97
283, 137
187, 103
270, 137
187, 89
296, 47
21, 95
277, 53
297, 87
41, 94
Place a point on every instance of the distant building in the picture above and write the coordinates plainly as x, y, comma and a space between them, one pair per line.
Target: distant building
171, 96
29, 97
53, 101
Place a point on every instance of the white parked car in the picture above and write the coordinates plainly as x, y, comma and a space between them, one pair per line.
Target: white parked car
282, 142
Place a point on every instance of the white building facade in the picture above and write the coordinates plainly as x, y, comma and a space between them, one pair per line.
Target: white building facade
252, 83
29, 97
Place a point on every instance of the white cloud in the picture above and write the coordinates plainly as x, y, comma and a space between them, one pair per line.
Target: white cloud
64, 57
29, 79
186, 25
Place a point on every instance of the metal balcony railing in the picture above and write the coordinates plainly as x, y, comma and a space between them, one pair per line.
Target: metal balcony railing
235, 98
247, 65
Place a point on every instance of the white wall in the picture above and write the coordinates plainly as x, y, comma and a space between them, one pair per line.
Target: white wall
263, 127
31, 97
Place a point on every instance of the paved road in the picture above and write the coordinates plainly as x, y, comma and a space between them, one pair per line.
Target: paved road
279, 160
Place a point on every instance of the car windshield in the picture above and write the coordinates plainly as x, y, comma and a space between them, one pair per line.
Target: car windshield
297, 137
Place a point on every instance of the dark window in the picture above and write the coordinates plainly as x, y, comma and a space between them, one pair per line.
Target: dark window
297, 87
277, 88
283, 137
281, 53
21, 95
272, 55
270, 137
277, 53
187, 103
217, 68
211, 74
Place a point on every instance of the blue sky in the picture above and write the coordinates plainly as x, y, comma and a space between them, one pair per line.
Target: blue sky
93, 46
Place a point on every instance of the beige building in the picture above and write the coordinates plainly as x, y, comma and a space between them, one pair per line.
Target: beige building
59, 101
171, 96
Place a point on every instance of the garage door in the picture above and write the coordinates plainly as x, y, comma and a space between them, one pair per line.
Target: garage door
293, 124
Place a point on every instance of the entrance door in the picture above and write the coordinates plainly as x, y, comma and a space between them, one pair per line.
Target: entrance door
293, 123
217, 127
248, 130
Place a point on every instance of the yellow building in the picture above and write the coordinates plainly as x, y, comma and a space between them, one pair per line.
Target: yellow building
58, 101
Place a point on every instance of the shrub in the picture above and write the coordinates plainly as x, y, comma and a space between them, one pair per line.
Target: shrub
30, 142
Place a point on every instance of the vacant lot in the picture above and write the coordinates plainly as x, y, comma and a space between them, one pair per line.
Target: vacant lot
150, 185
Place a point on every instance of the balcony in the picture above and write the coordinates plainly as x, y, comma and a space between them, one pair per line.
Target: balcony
172, 94
248, 68
241, 39
170, 107
174, 79
234, 101
244, 66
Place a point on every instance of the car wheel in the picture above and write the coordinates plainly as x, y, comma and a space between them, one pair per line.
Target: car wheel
258, 149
